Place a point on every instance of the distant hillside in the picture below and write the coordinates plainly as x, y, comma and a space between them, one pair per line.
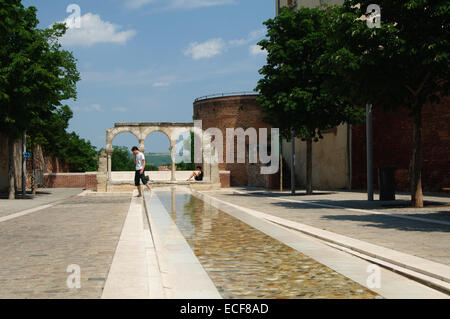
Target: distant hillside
158, 159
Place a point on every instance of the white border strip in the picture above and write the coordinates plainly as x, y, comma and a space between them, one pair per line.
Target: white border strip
37, 209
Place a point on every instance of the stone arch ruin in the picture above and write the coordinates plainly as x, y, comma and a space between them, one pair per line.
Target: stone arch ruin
142, 130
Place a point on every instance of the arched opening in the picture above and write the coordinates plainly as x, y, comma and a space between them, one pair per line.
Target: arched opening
185, 152
122, 164
157, 155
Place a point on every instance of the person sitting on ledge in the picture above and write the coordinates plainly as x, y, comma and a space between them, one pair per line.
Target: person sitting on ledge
197, 175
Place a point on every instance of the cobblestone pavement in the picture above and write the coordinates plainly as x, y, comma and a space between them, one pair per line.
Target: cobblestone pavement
43, 197
36, 249
419, 238
245, 263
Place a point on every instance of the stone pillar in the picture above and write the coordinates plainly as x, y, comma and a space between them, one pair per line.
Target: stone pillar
142, 145
102, 175
172, 155
109, 155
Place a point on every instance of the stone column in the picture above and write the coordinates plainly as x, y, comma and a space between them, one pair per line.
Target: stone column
172, 155
102, 172
142, 145
109, 155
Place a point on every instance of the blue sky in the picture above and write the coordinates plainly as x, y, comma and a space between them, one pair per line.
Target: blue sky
147, 60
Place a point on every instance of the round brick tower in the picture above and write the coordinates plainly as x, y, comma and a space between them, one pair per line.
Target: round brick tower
234, 111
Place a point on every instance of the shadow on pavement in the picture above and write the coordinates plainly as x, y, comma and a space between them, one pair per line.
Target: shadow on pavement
389, 222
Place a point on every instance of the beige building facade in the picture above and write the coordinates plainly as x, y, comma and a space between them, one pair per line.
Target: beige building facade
332, 154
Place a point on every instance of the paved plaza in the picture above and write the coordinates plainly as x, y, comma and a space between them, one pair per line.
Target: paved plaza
37, 248
211, 244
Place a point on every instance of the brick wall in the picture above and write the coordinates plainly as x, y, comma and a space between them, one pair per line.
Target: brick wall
45, 163
224, 179
239, 111
393, 146
85, 181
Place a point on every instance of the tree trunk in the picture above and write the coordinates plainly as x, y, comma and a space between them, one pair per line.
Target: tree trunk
33, 167
11, 170
416, 170
293, 186
281, 167
309, 187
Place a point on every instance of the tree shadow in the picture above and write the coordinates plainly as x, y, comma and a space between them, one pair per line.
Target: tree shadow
392, 222
385, 221
29, 196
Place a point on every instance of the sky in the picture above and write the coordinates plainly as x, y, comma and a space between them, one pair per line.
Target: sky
147, 60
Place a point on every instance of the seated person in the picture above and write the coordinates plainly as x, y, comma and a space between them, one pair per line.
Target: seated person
197, 175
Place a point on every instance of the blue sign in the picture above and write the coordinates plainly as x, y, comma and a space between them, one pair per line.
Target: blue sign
27, 155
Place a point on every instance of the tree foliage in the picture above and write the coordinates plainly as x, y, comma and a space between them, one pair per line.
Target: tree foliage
404, 63
35, 74
292, 93
122, 160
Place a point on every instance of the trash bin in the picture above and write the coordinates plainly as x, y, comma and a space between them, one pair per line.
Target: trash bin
386, 182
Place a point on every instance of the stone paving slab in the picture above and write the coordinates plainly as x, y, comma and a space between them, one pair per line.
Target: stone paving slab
414, 237
43, 197
36, 249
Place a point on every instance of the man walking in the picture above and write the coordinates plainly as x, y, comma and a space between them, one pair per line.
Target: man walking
139, 160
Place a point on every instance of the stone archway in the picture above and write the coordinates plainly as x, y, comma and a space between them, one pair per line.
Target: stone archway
142, 131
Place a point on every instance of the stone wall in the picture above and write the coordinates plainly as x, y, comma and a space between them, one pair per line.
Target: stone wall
241, 111
47, 164
393, 146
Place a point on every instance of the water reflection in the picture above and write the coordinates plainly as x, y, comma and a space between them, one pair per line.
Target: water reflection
245, 263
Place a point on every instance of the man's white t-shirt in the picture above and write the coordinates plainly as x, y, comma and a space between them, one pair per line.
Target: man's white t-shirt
140, 158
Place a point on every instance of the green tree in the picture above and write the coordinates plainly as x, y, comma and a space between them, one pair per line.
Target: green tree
78, 154
292, 93
122, 160
35, 74
404, 63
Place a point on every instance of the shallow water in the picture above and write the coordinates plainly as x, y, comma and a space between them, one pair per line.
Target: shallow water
246, 263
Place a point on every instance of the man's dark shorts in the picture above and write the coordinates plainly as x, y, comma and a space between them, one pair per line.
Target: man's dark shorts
140, 177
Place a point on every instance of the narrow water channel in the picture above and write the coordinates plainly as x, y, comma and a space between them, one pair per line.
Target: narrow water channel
246, 263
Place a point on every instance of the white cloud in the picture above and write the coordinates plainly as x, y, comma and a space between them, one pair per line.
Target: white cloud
216, 46
91, 108
120, 109
177, 4
254, 35
94, 30
256, 50
165, 81
206, 49
136, 4
189, 4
